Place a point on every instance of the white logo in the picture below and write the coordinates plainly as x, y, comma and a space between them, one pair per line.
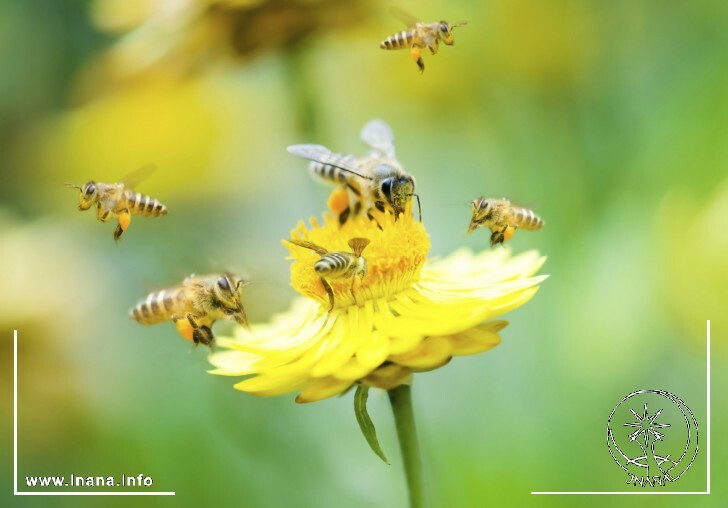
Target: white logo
653, 436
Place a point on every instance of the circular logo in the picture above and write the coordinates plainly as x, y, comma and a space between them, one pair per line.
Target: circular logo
653, 436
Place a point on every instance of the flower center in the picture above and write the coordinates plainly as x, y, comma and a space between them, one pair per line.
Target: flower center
394, 258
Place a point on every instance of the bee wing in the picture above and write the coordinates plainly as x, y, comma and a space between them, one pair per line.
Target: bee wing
323, 155
404, 16
316, 153
377, 134
136, 177
308, 245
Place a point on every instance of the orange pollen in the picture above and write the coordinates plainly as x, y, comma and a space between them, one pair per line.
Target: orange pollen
124, 220
184, 328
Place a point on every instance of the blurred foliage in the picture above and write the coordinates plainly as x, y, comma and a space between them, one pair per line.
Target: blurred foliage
609, 119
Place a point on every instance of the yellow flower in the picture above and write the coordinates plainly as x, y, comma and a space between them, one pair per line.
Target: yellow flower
408, 314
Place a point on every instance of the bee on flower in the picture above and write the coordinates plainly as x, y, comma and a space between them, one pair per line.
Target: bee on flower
338, 265
412, 315
375, 181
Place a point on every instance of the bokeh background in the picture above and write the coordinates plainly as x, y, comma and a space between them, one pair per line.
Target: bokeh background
610, 119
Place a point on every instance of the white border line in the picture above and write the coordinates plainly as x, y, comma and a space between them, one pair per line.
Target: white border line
707, 448
16, 492
707, 408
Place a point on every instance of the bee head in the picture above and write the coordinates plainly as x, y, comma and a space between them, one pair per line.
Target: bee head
398, 191
445, 32
228, 293
88, 196
481, 213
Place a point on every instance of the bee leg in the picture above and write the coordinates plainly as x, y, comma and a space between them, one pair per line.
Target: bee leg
329, 291
203, 335
371, 217
124, 221
343, 216
351, 290
415, 54
191, 319
102, 213
508, 232
498, 236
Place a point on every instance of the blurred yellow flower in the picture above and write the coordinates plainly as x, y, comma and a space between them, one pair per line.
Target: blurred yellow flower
412, 314
180, 37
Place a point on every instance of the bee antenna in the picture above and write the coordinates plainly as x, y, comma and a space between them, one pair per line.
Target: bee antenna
72, 185
419, 207
241, 284
348, 170
261, 282
293, 150
462, 23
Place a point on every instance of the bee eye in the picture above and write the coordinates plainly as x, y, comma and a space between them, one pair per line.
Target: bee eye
90, 189
443, 28
387, 187
222, 282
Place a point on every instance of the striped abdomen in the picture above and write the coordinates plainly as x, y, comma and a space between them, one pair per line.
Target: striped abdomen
525, 219
400, 40
332, 173
160, 306
335, 265
141, 204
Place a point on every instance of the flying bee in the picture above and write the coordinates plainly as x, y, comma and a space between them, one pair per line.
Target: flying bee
419, 36
118, 200
376, 180
502, 218
338, 265
195, 305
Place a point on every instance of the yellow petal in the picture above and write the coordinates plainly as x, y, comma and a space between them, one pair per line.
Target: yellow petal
352, 370
476, 340
233, 363
388, 376
270, 385
354, 330
322, 389
432, 353
373, 353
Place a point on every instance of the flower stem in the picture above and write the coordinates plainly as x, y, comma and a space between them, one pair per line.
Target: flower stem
401, 400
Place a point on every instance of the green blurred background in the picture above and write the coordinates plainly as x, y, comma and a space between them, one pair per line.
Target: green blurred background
610, 119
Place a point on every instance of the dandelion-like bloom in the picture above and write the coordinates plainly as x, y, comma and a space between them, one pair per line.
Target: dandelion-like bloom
408, 314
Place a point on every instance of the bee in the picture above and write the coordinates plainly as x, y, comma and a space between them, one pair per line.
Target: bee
419, 36
118, 200
376, 180
195, 305
338, 265
502, 218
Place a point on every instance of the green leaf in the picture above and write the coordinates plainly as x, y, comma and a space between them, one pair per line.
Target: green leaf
365, 423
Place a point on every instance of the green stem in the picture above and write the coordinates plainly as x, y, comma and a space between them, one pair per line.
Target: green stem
401, 399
